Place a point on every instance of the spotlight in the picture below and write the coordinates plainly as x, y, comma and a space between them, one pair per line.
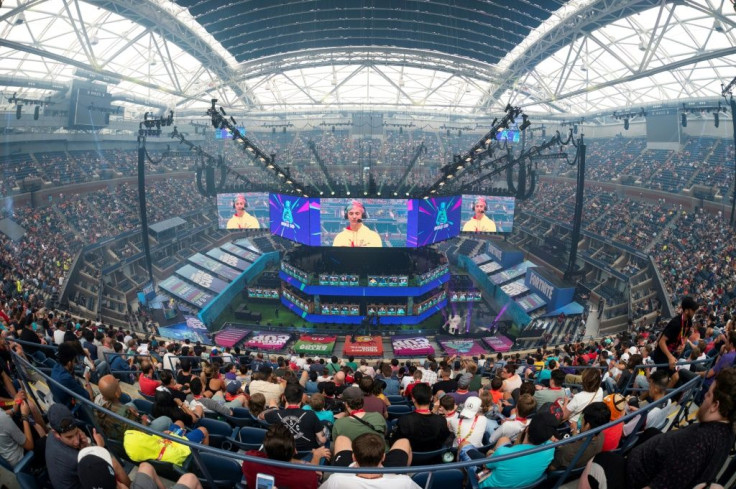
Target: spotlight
524, 122
683, 120
716, 121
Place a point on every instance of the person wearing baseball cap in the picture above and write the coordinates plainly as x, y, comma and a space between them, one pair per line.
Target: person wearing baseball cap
470, 426
63, 446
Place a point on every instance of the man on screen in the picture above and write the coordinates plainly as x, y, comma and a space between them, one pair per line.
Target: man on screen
479, 223
357, 235
241, 219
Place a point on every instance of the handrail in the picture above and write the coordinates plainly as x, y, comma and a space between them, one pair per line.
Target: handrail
23, 365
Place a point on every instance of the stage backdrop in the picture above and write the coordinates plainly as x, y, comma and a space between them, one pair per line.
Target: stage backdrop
363, 346
499, 343
461, 347
411, 346
309, 343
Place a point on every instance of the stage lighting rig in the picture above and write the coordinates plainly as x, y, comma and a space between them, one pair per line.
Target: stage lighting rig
151, 126
220, 120
479, 150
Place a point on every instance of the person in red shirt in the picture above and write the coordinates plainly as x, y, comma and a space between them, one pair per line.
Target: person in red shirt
146, 383
417, 381
279, 444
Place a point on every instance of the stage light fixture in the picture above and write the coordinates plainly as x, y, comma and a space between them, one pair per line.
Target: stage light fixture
524, 122
683, 120
716, 121
626, 124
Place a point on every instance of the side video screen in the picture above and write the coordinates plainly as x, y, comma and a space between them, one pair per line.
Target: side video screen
243, 210
486, 214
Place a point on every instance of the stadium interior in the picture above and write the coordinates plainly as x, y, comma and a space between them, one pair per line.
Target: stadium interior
537, 184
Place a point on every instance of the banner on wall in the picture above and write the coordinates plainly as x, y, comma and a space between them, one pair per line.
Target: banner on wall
411, 345
185, 331
499, 343
461, 347
363, 346
267, 341
230, 337
315, 344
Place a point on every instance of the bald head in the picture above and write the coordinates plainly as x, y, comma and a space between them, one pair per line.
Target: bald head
109, 387
339, 378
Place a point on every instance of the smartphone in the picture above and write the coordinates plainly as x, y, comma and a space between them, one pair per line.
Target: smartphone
568, 392
86, 370
264, 481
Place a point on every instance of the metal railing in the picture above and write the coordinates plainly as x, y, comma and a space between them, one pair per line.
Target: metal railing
27, 371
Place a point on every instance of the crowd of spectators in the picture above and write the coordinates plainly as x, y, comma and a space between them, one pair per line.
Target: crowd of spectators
699, 263
336, 412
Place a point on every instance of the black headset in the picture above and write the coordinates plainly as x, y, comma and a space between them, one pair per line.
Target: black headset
244, 199
472, 206
350, 206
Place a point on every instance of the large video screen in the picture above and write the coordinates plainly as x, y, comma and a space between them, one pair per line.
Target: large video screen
486, 214
90, 106
295, 218
243, 210
432, 220
363, 223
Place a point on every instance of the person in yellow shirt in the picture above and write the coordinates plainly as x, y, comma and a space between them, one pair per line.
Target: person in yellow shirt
357, 235
479, 223
241, 219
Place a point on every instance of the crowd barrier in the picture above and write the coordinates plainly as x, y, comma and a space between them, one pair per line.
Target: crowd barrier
29, 373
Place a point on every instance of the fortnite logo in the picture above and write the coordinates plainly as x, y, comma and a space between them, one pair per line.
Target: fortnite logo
287, 217
441, 221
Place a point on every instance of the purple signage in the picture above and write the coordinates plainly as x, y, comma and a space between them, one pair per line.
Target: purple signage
292, 218
461, 346
438, 219
411, 345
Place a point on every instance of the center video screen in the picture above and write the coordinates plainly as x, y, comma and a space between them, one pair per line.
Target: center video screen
364, 223
486, 214
243, 210
295, 218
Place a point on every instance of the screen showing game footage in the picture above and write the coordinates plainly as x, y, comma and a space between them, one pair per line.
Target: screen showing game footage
295, 218
243, 210
433, 220
363, 223
486, 214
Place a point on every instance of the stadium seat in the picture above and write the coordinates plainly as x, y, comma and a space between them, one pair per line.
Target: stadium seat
226, 473
441, 479
428, 458
395, 411
167, 470
146, 397
23, 475
219, 431
144, 406
247, 438
397, 400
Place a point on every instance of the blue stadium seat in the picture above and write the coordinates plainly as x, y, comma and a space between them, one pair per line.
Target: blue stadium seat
219, 431
441, 479
225, 472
